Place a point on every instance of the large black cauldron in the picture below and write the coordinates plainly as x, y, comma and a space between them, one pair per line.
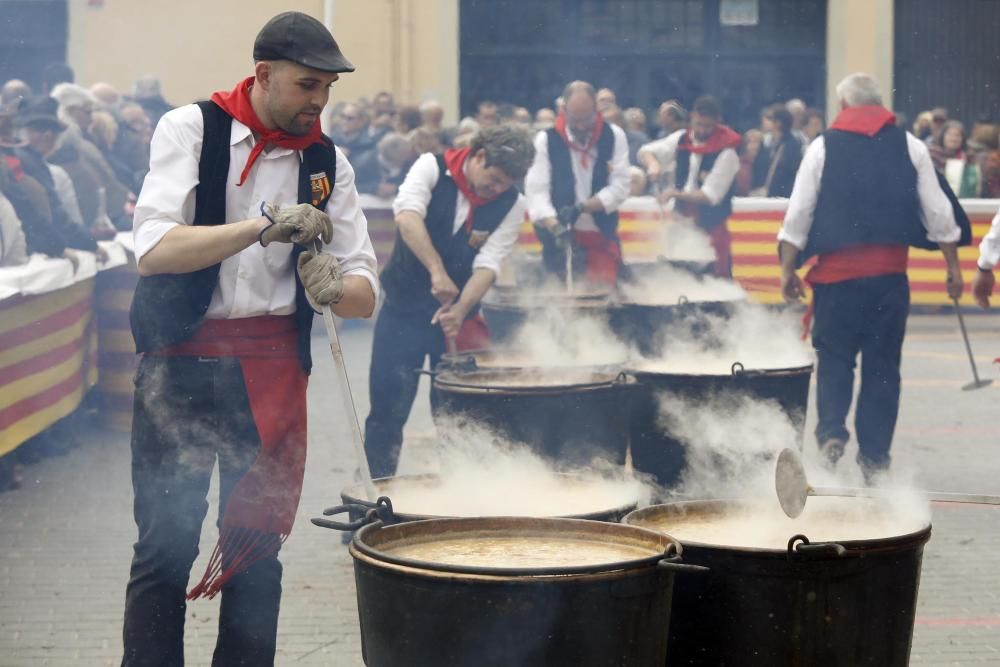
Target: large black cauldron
571, 416
647, 325
507, 309
848, 604
427, 613
658, 452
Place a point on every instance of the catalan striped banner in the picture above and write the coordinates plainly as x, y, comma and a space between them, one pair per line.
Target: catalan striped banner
48, 359
754, 228
755, 259
116, 348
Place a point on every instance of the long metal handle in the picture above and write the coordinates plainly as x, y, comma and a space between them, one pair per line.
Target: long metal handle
569, 266
348, 397
965, 337
933, 496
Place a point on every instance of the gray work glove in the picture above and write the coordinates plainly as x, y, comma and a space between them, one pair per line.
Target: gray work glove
302, 224
322, 278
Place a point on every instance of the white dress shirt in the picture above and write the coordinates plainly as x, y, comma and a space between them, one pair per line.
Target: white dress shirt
538, 181
415, 194
936, 213
258, 280
989, 247
718, 181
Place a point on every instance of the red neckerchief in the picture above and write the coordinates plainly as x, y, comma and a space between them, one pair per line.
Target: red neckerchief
454, 159
16, 169
721, 138
236, 103
573, 146
867, 120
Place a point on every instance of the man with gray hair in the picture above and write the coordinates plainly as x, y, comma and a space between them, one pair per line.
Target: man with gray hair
578, 180
458, 215
866, 190
147, 93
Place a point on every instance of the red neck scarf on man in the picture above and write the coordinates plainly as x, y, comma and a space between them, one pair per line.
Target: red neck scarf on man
584, 151
455, 159
236, 103
867, 120
721, 138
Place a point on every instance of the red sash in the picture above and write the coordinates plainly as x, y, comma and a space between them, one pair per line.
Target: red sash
261, 508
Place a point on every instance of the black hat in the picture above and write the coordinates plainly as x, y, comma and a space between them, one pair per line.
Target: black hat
301, 39
40, 112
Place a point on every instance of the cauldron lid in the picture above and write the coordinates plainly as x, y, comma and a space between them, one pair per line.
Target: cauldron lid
529, 380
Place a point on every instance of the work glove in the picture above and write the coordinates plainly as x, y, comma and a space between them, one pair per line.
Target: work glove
559, 233
302, 224
322, 278
568, 215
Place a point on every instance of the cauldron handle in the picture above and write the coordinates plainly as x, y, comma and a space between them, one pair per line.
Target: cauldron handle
381, 512
682, 300
670, 561
737, 368
800, 545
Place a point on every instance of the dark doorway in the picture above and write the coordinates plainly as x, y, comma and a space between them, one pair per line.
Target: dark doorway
33, 34
647, 51
947, 55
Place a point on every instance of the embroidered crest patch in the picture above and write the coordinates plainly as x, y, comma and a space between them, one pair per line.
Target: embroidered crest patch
320, 184
478, 238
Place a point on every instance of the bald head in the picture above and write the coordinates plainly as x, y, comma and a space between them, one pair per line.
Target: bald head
13, 90
581, 110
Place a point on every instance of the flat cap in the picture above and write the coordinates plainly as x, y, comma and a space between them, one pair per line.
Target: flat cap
301, 39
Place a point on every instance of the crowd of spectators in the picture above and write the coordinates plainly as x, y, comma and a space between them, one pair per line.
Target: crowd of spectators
375, 133
72, 160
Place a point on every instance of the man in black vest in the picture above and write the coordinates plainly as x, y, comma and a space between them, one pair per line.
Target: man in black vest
222, 315
706, 164
865, 192
578, 180
459, 216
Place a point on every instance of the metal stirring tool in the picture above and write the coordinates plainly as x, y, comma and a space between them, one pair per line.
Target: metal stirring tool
794, 489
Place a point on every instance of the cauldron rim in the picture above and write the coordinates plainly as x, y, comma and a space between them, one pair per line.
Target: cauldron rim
353, 495
634, 371
854, 548
452, 382
670, 548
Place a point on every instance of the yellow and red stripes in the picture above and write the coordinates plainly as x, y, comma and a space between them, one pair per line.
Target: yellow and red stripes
48, 359
117, 356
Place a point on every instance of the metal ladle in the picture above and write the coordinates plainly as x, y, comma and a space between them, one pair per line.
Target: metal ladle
793, 488
976, 383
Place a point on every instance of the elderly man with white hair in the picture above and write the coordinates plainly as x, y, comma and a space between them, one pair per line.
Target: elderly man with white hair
865, 192
76, 109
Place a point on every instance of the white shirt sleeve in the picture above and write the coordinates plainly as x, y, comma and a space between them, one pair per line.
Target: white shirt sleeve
665, 149
351, 244
936, 213
805, 193
502, 240
989, 247
616, 191
415, 191
538, 181
13, 247
167, 196
720, 179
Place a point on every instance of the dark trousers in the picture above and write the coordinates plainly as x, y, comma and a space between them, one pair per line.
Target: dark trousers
866, 316
402, 340
190, 411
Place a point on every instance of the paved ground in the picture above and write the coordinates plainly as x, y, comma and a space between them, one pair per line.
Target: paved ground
67, 533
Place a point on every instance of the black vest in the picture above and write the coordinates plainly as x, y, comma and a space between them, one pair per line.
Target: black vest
868, 194
169, 308
563, 183
709, 217
406, 282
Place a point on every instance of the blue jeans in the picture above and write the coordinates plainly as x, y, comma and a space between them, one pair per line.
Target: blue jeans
190, 411
401, 342
866, 316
